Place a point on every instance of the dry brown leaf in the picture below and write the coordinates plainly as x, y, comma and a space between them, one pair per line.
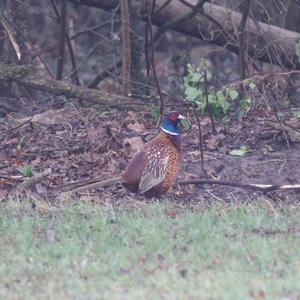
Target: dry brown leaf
259, 294
50, 117
171, 213
211, 172
92, 133
212, 143
112, 167
135, 142
139, 127
205, 121
12, 141
217, 261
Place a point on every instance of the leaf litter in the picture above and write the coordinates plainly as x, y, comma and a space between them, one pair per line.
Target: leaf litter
80, 144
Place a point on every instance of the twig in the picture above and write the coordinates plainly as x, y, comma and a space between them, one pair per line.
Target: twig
200, 137
126, 48
179, 19
208, 104
246, 186
241, 39
26, 38
74, 73
61, 50
15, 177
268, 99
99, 77
15, 128
11, 36
72, 37
150, 15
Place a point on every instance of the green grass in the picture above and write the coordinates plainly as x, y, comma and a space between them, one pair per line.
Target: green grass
97, 252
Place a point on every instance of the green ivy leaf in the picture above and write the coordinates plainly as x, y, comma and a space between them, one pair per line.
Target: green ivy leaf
220, 95
211, 98
296, 114
233, 94
240, 152
192, 93
252, 86
225, 105
196, 77
297, 49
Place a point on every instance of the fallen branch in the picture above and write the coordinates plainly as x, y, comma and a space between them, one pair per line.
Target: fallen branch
29, 77
246, 186
83, 185
219, 25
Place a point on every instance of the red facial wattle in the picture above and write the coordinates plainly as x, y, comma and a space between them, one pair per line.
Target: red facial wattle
174, 117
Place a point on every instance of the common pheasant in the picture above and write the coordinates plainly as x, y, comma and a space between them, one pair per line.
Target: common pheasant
153, 170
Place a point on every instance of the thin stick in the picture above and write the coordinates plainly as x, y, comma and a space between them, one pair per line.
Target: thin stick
200, 137
246, 186
150, 13
61, 55
207, 103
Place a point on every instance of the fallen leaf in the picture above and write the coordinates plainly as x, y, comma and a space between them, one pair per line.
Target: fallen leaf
139, 127
12, 141
135, 143
212, 143
240, 152
211, 172
92, 133
172, 213
217, 261
257, 294
50, 117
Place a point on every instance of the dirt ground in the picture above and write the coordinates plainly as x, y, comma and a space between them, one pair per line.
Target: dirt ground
77, 144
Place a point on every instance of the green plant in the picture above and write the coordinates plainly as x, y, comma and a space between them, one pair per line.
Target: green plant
195, 92
241, 151
26, 171
219, 100
155, 111
297, 49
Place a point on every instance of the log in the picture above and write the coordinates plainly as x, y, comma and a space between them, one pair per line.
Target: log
29, 77
266, 42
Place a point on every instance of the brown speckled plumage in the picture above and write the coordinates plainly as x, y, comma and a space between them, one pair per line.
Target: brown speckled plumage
153, 170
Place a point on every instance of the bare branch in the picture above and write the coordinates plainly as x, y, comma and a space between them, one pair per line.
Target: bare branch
61, 55
74, 73
242, 41
126, 48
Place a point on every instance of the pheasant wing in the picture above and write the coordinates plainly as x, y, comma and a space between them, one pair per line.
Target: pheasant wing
153, 173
